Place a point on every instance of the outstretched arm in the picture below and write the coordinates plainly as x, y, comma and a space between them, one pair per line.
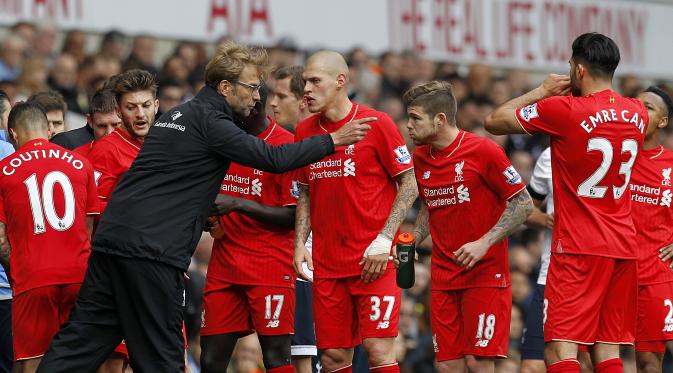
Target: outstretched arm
503, 120
517, 210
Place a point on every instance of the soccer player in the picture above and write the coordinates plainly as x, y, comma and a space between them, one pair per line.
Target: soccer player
135, 92
541, 190
354, 200
290, 108
54, 106
47, 197
6, 354
251, 282
133, 288
102, 118
287, 101
595, 135
651, 204
472, 199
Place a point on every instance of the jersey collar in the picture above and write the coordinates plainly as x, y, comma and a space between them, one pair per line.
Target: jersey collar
35, 143
449, 150
131, 140
654, 152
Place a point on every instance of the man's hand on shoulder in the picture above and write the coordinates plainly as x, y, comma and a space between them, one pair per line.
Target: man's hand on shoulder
352, 132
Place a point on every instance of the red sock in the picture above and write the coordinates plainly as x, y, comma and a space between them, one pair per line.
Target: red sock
283, 369
609, 366
348, 369
564, 366
388, 368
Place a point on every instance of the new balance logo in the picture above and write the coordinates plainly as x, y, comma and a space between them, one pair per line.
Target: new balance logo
256, 188
666, 198
349, 167
481, 343
463, 194
273, 324
383, 325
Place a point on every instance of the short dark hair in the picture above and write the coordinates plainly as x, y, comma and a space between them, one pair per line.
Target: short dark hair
103, 101
434, 97
49, 101
28, 116
597, 52
297, 81
664, 97
134, 81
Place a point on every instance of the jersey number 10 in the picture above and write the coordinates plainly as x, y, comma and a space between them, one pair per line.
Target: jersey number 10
42, 202
589, 188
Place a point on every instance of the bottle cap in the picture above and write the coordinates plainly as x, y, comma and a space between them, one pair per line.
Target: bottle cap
405, 238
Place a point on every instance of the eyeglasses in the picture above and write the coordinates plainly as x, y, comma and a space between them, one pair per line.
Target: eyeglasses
252, 87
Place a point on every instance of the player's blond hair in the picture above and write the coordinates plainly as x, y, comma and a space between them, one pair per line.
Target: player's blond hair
433, 97
229, 61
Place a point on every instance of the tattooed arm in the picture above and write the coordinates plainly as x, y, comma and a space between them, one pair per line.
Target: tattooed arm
373, 266
517, 210
422, 225
302, 228
5, 249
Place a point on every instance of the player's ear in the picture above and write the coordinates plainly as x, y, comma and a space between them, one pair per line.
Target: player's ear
118, 110
224, 87
663, 123
440, 119
156, 106
341, 80
13, 135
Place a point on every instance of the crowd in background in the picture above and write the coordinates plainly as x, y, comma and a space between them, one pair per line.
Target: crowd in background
40, 57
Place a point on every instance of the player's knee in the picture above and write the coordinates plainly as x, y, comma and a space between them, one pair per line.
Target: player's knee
533, 366
380, 350
480, 364
211, 361
333, 359
276, 350
451, 366
648, 363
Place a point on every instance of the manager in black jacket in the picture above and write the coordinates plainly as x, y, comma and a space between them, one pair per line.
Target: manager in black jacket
133, 288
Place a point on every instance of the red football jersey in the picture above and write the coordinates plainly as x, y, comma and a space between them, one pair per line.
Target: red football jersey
352, 190
595, 140
85, 150
251, 252
652, 214
465, 188
111, 157
46, 192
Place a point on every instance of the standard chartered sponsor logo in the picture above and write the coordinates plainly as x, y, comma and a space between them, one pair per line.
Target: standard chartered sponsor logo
256, 188
463, 194
332, 168
446, 196
349, 167
666, 198
654, 196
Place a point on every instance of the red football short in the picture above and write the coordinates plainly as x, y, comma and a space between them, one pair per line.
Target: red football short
37, 315
591, 299
655, 317
346, 310
229, 308
470, 322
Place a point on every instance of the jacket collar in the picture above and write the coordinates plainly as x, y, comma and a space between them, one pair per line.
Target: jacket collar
217, 102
